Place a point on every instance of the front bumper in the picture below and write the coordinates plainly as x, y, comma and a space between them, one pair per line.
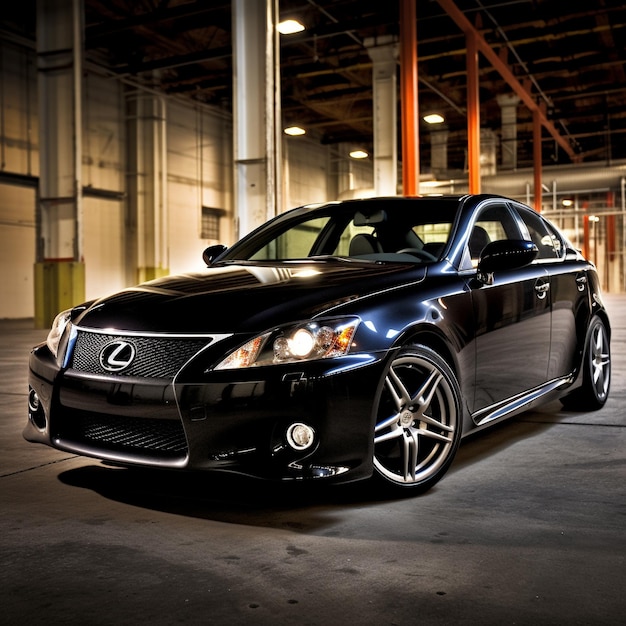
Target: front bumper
234, 421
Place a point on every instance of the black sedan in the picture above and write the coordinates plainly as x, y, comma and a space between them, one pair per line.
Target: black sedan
337, 342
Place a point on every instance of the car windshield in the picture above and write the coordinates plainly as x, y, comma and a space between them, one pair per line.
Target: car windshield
388, 231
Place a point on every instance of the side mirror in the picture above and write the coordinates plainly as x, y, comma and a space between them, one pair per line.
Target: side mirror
505, 254
212, 252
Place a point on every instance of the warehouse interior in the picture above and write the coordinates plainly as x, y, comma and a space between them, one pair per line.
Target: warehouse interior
133, 134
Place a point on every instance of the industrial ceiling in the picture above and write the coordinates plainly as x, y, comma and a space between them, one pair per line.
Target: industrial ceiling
569, 55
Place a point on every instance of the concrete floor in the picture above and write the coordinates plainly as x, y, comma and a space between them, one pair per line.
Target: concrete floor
528, 527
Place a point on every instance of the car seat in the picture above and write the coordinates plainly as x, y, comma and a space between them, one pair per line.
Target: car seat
364, 244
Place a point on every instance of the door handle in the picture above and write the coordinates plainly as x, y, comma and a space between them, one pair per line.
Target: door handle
542, 288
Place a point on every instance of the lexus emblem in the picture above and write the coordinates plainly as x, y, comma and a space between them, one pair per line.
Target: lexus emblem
117, 356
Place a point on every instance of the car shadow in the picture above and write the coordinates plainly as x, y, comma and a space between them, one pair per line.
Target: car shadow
300, 507
497, 437
297, 506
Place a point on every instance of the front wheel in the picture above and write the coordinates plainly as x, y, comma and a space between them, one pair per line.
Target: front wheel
594, 391
418, 420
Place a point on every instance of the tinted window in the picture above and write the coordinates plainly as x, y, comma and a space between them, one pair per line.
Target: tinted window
385, 231
494, 223
540, 233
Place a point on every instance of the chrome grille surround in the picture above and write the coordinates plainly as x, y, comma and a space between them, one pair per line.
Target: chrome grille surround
158, 356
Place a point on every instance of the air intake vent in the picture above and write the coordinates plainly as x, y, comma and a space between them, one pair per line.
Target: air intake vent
163, 438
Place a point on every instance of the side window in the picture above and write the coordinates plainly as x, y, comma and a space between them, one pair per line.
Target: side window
539, 232
494, 223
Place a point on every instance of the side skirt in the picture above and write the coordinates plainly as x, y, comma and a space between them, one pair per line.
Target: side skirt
518, 404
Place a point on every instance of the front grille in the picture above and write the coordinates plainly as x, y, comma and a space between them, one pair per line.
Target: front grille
161, 438
131, 413
155, 357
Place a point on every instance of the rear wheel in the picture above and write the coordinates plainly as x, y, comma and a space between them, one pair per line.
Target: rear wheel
418, 420
594, 392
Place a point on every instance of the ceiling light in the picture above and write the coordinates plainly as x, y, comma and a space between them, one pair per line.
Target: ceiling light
359, 154
294, 131
434, 118
289, 27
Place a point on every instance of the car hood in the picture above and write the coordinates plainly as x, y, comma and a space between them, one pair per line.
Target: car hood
245, 297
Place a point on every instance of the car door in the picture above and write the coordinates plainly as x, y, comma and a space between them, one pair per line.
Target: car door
569, 291
512, 316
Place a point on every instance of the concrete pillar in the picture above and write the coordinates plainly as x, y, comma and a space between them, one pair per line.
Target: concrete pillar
439, 152
59, 267
256, 99
384, 53
343, 173
508, 110
147, 241
488, 152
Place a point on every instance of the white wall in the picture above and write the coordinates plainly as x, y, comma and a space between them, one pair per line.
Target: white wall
306, 172
17, 251
314, 172
199, 162
19, 126
105, 261
104, 137
18, 155
199, 173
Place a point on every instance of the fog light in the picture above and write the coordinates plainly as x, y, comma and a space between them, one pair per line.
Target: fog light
35, 410
300, 436
33, 401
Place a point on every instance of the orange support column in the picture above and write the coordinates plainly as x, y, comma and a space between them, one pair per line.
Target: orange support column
610, 237
537, 159
408, 91
473, 114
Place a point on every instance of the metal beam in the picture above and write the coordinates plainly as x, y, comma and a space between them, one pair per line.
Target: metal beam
505, 71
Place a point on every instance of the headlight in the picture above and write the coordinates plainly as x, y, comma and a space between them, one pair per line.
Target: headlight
56, 332
302, 342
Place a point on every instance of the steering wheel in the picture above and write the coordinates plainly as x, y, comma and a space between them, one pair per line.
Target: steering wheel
420, 254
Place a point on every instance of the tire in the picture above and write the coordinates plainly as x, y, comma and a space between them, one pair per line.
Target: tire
596, 371
418, 421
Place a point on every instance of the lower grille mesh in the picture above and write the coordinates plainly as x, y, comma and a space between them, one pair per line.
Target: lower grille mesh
164, 437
